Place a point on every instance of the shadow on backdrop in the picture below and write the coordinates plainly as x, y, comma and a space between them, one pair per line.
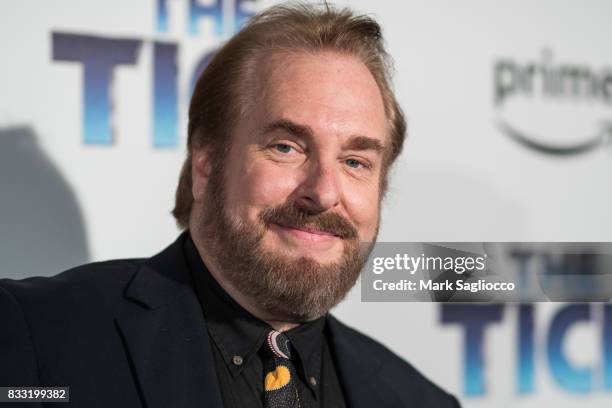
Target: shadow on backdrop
42, 229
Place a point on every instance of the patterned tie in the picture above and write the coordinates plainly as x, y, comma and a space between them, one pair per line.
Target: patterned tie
280, 387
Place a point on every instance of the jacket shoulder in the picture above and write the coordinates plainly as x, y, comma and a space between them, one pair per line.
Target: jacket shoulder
52, 320
77, 291
408, 383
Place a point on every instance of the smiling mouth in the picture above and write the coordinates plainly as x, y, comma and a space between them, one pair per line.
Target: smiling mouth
308, 233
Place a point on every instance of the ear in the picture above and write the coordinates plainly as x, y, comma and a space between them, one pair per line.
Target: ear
200, 173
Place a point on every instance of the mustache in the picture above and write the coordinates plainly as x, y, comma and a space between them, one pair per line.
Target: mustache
293, 215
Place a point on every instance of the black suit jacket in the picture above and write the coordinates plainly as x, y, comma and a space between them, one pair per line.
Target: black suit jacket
131, 333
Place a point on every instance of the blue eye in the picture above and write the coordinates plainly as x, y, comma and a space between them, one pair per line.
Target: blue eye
283, 148
353, 163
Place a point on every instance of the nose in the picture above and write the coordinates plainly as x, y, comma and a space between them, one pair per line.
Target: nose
319, 191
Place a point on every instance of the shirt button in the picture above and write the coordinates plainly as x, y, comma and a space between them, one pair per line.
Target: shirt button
237, 360
313, 381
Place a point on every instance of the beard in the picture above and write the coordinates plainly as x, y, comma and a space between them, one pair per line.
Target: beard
295, 289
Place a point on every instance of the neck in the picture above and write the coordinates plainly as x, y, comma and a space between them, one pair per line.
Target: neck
251, 306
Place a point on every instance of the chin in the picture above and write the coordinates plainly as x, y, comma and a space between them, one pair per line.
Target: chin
298, 253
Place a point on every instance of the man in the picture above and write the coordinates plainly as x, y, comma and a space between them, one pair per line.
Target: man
292, 129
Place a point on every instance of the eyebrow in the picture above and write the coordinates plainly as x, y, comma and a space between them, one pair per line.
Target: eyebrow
364, 143
303, 131
295, 129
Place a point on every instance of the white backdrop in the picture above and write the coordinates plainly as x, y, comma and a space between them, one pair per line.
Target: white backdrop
65, 200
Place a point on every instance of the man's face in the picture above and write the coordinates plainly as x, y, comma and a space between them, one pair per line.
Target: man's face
314, 138
301, 183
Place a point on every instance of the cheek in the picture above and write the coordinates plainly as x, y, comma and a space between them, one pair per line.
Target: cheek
362, 204
257, 186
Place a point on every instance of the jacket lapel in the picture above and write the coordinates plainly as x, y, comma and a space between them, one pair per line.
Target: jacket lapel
358, 369
165, 335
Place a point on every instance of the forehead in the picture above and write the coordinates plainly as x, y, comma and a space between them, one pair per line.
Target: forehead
334, 94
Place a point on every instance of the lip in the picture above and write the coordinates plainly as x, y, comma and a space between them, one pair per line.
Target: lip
307, 234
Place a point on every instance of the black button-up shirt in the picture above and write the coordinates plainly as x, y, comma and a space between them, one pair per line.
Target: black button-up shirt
237, 337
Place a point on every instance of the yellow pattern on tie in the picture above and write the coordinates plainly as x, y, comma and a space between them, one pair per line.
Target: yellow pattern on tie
277, 378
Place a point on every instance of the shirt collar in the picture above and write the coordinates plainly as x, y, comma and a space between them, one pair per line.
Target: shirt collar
307, 340
237, 333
